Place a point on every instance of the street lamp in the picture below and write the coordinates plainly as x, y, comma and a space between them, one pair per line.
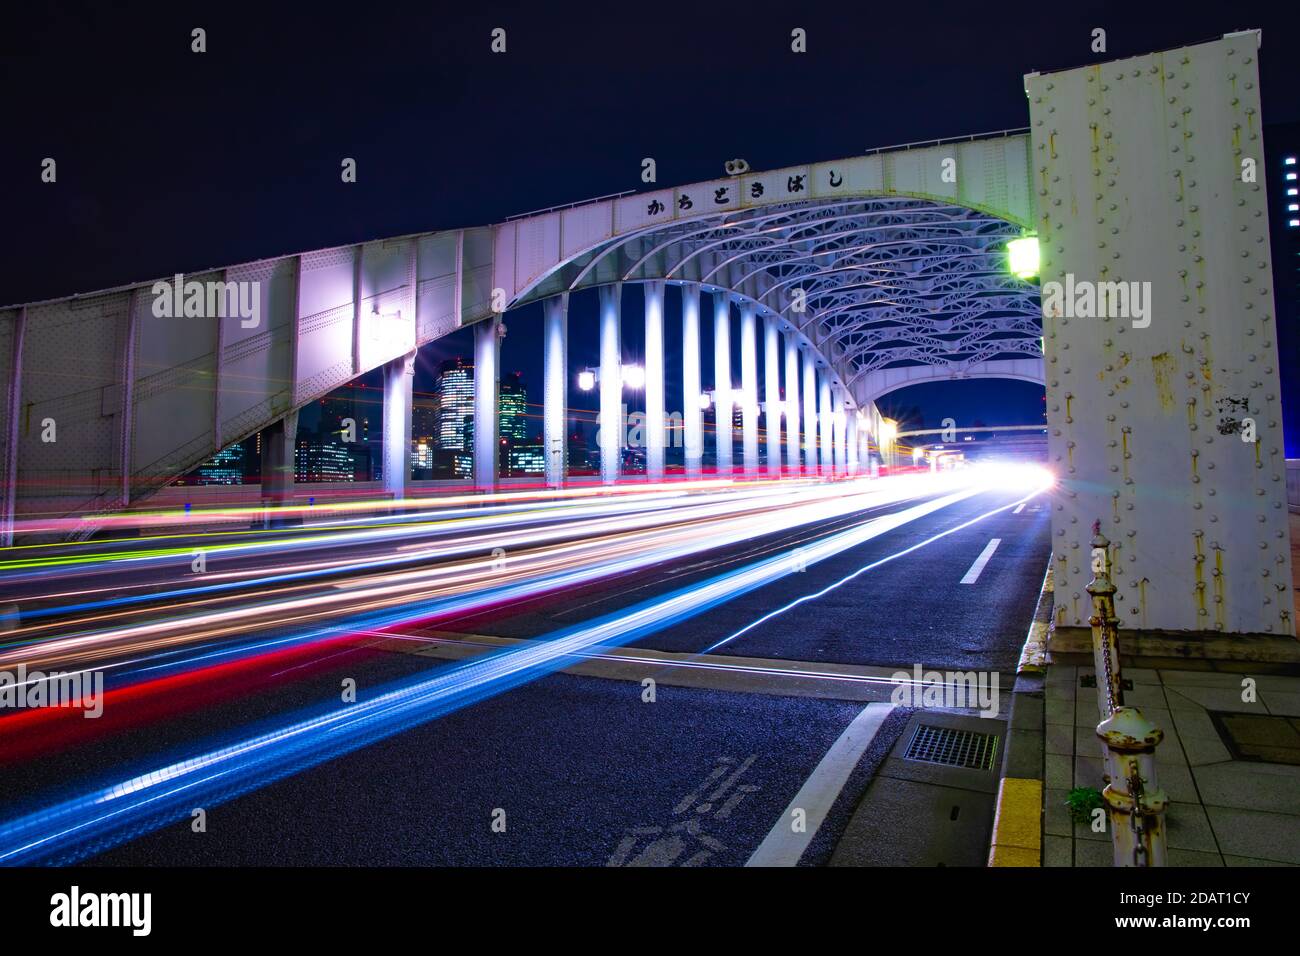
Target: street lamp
632, 376
1022, 256
888, 432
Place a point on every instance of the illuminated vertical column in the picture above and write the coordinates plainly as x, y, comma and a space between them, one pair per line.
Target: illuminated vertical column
399, 379
749, 387
654, 379
722, 379
837, 462
278, 441
809, 413
854, 445
692, 389
772, 405
793, 450
611, 384
487, 353
840, 423
825, 419
555, 372
836, 432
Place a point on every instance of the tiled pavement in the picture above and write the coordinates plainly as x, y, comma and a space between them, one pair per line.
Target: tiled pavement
1223, 811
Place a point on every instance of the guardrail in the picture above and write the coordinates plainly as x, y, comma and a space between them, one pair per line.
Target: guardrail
970, 138
570, 205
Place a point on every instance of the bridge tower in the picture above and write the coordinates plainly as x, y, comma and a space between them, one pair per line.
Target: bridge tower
1164, 412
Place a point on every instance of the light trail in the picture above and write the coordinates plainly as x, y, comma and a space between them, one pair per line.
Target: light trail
604, 548
72, 828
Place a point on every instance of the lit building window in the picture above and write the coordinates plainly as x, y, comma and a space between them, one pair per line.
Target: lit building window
1290, 161
1290, 177
1293, 207
1294, 222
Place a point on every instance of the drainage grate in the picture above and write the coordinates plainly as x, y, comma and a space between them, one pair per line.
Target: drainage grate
952, 748
1260, 737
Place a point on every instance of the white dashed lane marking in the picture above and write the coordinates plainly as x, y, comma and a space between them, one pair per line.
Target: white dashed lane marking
974, 573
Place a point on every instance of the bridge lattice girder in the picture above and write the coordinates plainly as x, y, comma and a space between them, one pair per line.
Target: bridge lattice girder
870, 283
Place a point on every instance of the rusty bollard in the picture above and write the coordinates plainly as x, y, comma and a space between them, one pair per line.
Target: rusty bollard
1134, 800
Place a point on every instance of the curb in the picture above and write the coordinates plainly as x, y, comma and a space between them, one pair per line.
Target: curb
1018, 816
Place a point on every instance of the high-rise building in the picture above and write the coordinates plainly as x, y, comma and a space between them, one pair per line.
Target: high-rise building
454, 390
512, 405
424, 416
236, 465
1282, 156
421, 454
224, 468
320, 460
349, 419
525, 459
521, 453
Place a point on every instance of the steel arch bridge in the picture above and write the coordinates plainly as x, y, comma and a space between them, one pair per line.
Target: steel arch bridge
896, 266
867, 274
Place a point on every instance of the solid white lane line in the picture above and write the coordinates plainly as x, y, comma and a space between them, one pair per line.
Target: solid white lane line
783, 846
974, 573
1019, 508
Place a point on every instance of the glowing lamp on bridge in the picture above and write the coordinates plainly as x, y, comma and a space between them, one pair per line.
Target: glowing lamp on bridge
706, 401
586, 380
888, 430
633, 376
1022, 257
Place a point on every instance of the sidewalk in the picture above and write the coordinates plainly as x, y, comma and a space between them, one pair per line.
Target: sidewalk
1224, 810
1229, 767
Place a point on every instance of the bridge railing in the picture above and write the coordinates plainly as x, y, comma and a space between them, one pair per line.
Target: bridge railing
570, 205
969, 138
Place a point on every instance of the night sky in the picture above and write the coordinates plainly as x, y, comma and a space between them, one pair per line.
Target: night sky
170, 161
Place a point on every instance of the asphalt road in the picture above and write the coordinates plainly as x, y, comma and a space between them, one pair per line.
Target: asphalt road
910, 609
573, 769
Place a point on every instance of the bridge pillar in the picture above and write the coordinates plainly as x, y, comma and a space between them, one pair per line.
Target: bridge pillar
654, 379
692, 389
837, 432
852, 442
749, 386
809, 413
1163, 396
12, 403
825, 441
772, 406
792, 447
487, 355
555, 372
722, 408
841, 434
399, 379
277, 467
611, 384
